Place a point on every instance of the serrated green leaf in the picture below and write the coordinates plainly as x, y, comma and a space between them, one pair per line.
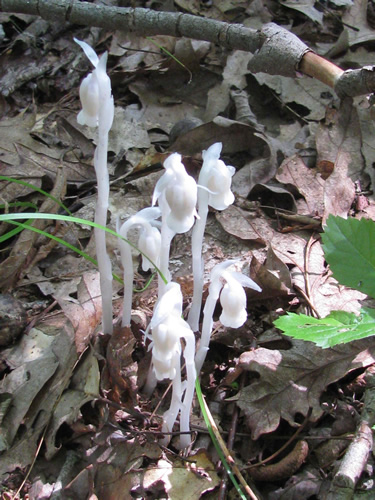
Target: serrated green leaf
349, 246
339, 327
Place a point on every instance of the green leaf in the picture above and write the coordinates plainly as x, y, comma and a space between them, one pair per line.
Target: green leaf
349, 246
339, 327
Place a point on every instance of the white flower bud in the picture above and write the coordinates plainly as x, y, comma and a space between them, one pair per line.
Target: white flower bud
149, 243
219, 184
181, 197
180, 193
217, 178
166, 343
89, 95
167, 329
233, 302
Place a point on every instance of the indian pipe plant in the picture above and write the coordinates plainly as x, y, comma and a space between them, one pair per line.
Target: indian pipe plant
182, 205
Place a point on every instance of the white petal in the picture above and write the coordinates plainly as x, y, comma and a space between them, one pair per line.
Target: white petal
89, 51
89, 96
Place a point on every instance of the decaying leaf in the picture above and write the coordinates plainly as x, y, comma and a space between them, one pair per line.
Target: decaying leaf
292, 381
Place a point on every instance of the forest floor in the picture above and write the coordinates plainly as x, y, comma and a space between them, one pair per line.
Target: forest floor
74, 422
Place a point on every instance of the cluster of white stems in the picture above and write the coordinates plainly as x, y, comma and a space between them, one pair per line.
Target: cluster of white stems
182, 205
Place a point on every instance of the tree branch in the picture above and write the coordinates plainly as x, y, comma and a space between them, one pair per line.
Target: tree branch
276, 50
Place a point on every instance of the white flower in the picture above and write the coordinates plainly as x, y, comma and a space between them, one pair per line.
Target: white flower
233, 297
167, 329
179, 190
89, 95
149, 243
217, 178
166, 345
233, 302
95, 92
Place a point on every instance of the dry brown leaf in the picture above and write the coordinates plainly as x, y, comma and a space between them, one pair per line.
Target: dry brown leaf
41, 365
291, 382
172, 479
307, 181
245, 225
85, 314
338, 140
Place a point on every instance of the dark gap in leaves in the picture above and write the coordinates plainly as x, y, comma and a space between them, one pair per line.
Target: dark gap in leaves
63, 434
299, 108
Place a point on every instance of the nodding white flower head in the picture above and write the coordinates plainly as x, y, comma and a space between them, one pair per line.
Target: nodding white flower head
233, 302
179, 191
149, 241
216, 177
165, 346
233, 296
167, 329
89, 95
95, 92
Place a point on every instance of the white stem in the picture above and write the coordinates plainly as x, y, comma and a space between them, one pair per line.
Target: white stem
127, 264
198, 264
191, 375
104, 263
151, 382
166, 237
208, 312
170, 415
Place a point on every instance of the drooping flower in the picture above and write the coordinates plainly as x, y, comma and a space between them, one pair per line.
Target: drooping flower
214, 185
95, 92
89, 95
98, 111
168, 328
179, 191
216, 176
149, 242
233, 301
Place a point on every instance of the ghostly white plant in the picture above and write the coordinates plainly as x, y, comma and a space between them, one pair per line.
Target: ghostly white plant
176, 194
214, 185
149, 243
168, 328
232, 299
98, 111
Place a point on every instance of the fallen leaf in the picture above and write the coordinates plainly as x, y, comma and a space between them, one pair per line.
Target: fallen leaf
40, 365
309, 183
85, 313
292, 381
338, 140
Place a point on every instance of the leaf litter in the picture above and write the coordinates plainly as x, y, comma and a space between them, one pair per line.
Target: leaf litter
299, 156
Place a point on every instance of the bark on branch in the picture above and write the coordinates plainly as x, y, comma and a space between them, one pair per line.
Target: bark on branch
276, 50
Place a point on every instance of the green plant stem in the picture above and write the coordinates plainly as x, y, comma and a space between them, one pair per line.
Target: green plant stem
218, 448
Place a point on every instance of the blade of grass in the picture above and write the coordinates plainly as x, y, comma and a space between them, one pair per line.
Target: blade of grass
220, 446
77, 220
173, 57
35, 188
17, 204
15, 231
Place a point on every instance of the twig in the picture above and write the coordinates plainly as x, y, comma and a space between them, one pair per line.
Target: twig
275, 49
357, 454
